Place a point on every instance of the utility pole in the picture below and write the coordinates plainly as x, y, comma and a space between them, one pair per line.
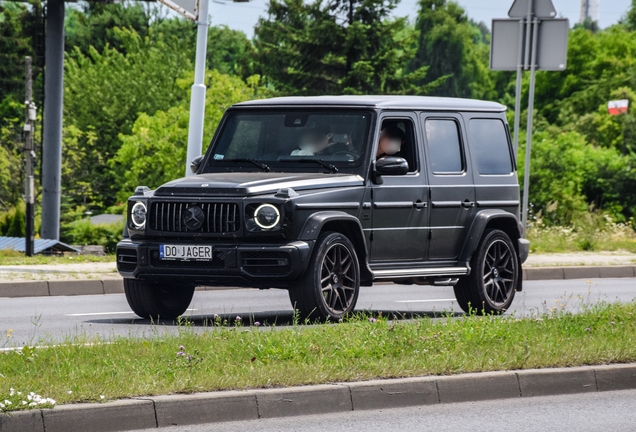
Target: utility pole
29, 130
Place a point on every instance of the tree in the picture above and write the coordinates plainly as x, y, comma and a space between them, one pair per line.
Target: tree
104, 94
96, 24
453, 50
155, 151
335, 47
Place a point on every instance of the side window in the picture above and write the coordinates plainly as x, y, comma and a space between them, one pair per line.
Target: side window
489, 146
444, 146
402, 128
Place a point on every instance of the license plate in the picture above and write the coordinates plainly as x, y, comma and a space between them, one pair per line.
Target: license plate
185, 252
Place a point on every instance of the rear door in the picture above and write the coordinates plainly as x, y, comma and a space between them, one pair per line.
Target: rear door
496, 183
450, 176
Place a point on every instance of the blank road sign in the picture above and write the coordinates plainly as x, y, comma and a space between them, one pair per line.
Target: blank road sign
552, 44
504, 48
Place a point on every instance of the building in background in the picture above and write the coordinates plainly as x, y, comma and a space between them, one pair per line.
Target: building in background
589, 10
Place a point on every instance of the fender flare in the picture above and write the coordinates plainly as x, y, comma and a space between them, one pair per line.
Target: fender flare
314, 225
478, 227
480, 222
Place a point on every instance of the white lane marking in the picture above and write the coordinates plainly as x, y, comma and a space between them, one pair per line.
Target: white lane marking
425, 301
112, 313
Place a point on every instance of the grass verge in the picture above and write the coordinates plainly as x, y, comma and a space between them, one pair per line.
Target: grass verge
236, 357
11, 257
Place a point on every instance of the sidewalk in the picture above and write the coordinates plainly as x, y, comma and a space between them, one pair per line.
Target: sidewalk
102, 278
225, 406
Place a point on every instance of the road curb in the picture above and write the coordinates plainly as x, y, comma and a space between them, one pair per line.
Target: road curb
115, 286
161, 411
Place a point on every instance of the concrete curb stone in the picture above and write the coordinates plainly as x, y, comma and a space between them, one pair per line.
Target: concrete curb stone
548, 382
296, 401
615, 377
75, 287
24, 289
22, 421
396, 393
120, 415
478, 386
545, 273
113, 286
205, 408
617, 272
153, 412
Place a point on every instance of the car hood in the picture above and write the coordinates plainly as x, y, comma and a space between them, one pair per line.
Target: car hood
245, 184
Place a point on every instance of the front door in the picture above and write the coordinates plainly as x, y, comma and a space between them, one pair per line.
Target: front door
452, 188
400, 204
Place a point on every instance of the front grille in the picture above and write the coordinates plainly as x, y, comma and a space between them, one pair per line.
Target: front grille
217, 217
126, 260
266, 263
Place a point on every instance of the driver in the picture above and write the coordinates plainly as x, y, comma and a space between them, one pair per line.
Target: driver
312, 142
391, 140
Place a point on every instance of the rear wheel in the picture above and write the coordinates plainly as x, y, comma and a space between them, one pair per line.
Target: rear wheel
491, 286
153, 300
329, 289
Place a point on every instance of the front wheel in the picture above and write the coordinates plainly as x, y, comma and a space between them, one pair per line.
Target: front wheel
329, 289
154, 301
491, 286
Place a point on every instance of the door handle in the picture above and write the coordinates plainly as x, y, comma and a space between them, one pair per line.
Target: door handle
468, 204
420, 205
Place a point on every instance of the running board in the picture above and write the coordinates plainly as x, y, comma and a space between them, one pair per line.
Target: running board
420, 272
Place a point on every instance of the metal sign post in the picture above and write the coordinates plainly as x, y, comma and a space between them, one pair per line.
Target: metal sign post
532, 39
195, 10
29, 186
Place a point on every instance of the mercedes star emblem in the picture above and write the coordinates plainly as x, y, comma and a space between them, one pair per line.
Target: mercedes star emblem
193, 218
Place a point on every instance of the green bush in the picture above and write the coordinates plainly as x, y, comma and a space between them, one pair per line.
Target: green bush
83, 232
13, 222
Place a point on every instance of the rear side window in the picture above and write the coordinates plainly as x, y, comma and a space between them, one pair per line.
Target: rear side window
489, 146
444, 146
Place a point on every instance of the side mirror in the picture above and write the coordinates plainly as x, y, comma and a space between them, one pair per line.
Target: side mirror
196, 163
390, 165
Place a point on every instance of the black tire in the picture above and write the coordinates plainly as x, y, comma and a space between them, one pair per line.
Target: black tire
490, 288
330, 286
155, 301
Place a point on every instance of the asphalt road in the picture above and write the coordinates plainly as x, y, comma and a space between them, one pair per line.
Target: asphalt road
593, 412
45, 320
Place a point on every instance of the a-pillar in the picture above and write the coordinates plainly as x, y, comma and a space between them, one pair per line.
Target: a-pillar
53, 109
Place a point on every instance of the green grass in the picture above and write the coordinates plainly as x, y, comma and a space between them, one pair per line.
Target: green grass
590, 237
235, 357
11, 257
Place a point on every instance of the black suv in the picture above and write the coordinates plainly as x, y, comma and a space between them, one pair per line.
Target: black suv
297, 193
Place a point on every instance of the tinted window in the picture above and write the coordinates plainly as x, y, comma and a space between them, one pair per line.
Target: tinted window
444, 146
489, 146
408, 150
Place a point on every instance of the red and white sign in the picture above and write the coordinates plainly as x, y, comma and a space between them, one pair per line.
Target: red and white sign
617, 107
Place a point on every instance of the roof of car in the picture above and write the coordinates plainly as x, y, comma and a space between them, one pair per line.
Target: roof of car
387, 102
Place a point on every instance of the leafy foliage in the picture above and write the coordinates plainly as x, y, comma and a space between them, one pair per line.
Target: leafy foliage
336, 47
155, 151
453, 49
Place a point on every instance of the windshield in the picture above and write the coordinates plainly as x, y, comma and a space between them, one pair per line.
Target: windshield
290, 140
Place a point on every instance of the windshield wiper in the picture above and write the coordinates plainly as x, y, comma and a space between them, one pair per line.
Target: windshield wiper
330, 167
252, 161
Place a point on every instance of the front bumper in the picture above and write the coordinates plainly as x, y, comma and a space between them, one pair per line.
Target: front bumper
250, 265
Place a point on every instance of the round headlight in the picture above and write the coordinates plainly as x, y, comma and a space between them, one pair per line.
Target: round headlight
138, 215
266, 216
